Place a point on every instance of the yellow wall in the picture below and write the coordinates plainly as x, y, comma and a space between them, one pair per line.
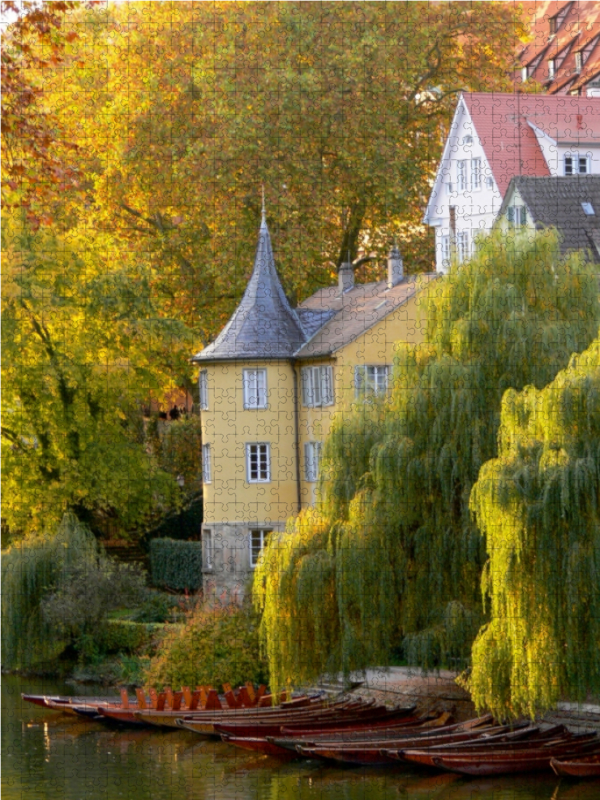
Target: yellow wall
375, 346
227, 427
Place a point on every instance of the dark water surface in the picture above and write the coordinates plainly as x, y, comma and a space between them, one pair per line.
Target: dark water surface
50, 756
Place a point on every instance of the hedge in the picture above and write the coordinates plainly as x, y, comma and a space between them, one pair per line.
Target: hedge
122, 636
175, 564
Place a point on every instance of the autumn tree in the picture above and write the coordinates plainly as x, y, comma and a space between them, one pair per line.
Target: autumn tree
84, 347
391, 556
180, 116
538, 506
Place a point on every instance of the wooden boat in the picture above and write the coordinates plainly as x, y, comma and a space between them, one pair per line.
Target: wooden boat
496, 761
377, 752
585, 766
394, 731
357, 725
344, 720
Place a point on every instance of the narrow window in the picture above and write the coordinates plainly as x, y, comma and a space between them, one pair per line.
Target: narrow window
551, 66
258, 540
206, 463
207, 539
203, 385
523, 216
578, 62
312, 461
461, 176
371, 380
446, 250
258, 468
524, 74
462, 245
568, 165
255, 388
583, 165
476, 173
317, 386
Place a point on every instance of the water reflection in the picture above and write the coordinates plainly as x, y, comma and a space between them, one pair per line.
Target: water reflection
53, 756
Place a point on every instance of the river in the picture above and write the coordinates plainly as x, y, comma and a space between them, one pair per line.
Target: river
50, 756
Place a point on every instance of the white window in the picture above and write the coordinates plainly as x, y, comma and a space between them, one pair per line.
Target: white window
371, 380
207, 539
203, 385
551, 68
576, 164
578, 62
475, 173
588, 209
206, 463
258, 540
462, 245
258, 466
255, 388
461, 176
516, 215
446, 250
312, 461
317, 386
524, 74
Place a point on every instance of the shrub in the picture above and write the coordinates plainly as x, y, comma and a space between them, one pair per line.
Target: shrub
156, 607
216, 645
176, 564
122, 636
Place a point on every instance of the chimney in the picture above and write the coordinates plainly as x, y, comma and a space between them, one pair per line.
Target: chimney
346, 277
395, 270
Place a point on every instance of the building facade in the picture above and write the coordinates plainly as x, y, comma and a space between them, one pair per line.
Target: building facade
563, 53
571, 204
270, 385
494, 137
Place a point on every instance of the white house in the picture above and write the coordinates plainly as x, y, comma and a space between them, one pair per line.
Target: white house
494, 137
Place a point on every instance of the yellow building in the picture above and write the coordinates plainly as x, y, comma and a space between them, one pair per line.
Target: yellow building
269, 387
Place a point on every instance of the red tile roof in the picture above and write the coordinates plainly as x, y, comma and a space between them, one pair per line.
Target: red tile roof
509, 142
579, 28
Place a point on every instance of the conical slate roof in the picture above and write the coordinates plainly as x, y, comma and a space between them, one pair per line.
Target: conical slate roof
264, 325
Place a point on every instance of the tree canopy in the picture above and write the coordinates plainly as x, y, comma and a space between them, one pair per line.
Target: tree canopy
538, 506
391, 555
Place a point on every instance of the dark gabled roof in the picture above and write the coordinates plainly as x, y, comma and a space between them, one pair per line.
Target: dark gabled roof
557, 201
264, 325
351, 313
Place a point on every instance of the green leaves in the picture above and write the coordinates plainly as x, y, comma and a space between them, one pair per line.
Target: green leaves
538, 505
391, 556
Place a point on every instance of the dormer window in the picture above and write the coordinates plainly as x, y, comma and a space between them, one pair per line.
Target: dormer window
576, 164
524, 74
557, 20
551, 68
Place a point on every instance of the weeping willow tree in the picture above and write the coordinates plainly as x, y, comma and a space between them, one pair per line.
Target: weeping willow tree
391, 555
538, 505
31, 569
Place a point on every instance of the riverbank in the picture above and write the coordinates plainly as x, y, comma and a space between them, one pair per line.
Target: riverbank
439, 691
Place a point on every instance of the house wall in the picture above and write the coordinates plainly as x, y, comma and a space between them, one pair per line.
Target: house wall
475, 209
514, 198
555, 153
374, 347
232, 506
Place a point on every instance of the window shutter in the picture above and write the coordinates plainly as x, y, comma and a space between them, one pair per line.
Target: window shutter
523, 219
203, 385
306, 393
327, 385
261, 388
316, 386
510, 214
359, 380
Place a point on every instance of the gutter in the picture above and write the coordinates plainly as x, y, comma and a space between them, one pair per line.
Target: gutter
297, 436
